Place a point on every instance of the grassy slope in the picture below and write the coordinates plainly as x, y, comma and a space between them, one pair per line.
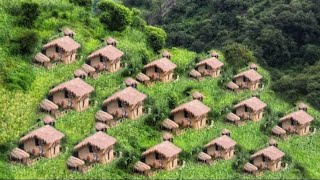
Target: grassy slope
21, 113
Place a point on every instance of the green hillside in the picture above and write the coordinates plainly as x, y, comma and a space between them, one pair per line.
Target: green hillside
24, 86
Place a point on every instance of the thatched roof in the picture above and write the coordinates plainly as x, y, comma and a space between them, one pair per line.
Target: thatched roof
166, 53
250, 167
19, 154
195, 107
79, 73
233, 117
270, 152
100, 140
197, 95
75, 162
302, 105
169, 124
48, 119
204, 156
253, 103
142, 77
299, 116
66, 43
272, 142
67, 32
101, 126
224, 141
213, 53
110, 52
46, 133
130, 81
278, 130
87, 68
251, 74
48, 105
41, 58
111, 41
75, 86
225, 132
212, 62
166, 136
166, 148
128, 95
231, 85
164, 64
103, 116
253, 66
141, 167
194, 73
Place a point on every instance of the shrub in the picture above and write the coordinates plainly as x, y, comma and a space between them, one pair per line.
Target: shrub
84, 3
29, 13
26, 43
238, 55
156, 37
19, 76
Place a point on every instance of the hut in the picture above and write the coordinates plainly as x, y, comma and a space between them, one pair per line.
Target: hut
278, 131
167, 137
76, 164
79, 73
73, 94
162, 156
269, 158
130, 82
250, 109
105, 118
170, 125
302, 106
195, 74
127, 103
44, 141
214, 54
101, 127
162, 70
297, 122
50, 107
20, 156
234, 119
89, 70
197, 96
191, 114
142, 78
222, 147
209, 67
62, 49
68, 32
250, 168
111, 41
253, 66
141, 167
48, 120
273, 142
166, 54
233, 87
106, 59
225, 132
205, 158
249, 79
42, 60
97, 148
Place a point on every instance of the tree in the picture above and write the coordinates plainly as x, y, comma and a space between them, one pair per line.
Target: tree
115, 16
156, 37
84, 3
29, 13
238, 55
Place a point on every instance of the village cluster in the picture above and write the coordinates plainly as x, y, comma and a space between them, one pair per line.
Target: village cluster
128, 103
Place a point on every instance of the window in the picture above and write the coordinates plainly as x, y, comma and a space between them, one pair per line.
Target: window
119, 104
156, 69
66, 94
292, 122
57, 49
216, 147
101, 58
264, 159
246, 109
244, 79
37, 142
185, 113
90, 149
157, 156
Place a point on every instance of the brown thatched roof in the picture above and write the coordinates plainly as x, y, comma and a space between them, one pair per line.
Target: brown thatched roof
272, 142
67, 32
87, 68
250, 167
46, 133
66, 43
75, 86
164, 64
100, 140
204, 156
166, 148
169, 124
270, 152
231, 85
141, 167
111, 41
48, 119
194, 73
142, 77
48, 105
166, 136
213, 53
195, 107
225, 132
101, 126
166, 53
19, 154
299, 116
302, 105
253, 103
278, 130
103, 116
110, 52
129, 95
197, 95
79, 73
233, 117
251, 74
253, 66
224, 141
41, 58
130, 81
75, 162
212, 62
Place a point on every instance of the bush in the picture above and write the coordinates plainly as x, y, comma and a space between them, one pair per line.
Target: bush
238, 55
115, 16
29, 13
84, 3
19, 77
156, 37
26, 43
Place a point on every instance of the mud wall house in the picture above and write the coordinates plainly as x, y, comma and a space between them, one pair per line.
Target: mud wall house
269, 158
127, 103
73, 94
143, 79
68, 32
97, 148
160, 70
297, 122
249, 79
44, 141
162, 156
209, 67
19, 155
250, 109
191, 114
63, 49
105, 118
166, 54
106, 59
130, 82
42, 60
222, 147
111, 41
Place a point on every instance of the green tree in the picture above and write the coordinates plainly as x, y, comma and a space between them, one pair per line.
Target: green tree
26, 43
84, 3
29, 13
238, 55
156, 37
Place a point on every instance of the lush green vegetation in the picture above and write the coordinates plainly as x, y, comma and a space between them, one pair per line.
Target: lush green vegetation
19, 112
